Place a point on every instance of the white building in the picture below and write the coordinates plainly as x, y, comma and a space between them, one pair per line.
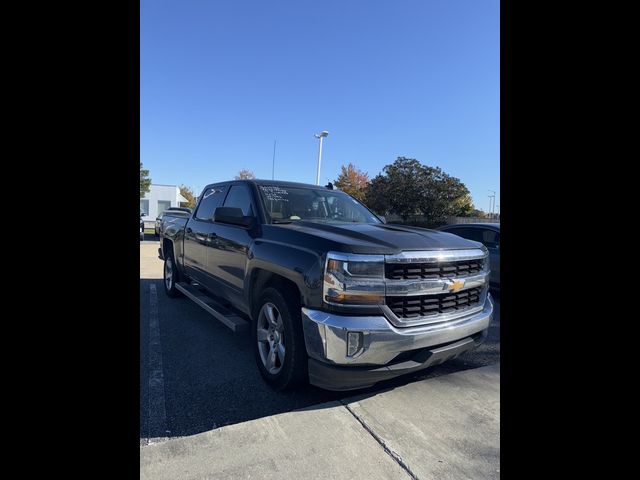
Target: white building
158, 199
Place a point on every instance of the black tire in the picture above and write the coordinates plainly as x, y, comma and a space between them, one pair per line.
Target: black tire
293, 370
170, 275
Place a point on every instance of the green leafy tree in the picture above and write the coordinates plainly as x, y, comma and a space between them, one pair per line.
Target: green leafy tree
444, 196
145, 181
463, 206
245, 174
187, 193
353, 181
398, 190
409, 188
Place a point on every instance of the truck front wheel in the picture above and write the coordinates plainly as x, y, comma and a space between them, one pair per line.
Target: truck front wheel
278, 340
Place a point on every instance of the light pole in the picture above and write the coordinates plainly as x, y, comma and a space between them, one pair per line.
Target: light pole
492, 199
320, 135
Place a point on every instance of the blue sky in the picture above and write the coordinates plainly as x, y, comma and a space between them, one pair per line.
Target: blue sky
220, 80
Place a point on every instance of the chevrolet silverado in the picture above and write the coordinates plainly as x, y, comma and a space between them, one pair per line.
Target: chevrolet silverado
331, 293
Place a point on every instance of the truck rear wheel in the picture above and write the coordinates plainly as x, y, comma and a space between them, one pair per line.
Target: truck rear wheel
171, 275
278, 340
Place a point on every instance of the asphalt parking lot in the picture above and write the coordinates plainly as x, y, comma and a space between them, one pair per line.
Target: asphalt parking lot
206, 374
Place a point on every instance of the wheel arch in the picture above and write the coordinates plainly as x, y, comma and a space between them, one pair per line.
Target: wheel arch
262, 279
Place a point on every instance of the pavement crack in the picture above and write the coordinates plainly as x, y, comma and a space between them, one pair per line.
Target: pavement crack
397, 458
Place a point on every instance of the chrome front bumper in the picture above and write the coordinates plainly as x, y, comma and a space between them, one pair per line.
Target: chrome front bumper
326, 335
331, 368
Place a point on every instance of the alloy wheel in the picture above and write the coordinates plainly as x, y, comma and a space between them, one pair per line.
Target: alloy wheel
168, 273
271, 343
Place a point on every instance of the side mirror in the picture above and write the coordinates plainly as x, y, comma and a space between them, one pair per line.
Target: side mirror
233, 216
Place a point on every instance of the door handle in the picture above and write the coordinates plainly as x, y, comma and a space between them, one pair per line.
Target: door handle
212, 235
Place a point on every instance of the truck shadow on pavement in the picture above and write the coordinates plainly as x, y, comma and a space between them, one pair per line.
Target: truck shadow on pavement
209, 377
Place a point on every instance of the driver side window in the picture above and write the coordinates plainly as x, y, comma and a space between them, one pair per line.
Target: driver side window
240, 197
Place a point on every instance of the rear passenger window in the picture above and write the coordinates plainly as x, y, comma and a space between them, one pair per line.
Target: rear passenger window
211, 198
461, 232
474, 234
491, 238
468, 233
239, 197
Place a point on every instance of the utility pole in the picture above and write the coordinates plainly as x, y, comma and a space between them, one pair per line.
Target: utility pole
492, 200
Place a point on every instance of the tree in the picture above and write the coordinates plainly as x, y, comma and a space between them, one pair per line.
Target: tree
187, 193
398, 190
353, 181
463, 206
444, 196
145, 181
409, 188
245, 174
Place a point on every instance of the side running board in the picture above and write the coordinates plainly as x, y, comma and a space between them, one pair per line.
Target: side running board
230, 319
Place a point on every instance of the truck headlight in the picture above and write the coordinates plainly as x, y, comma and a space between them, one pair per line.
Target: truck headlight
486, 267
351, 279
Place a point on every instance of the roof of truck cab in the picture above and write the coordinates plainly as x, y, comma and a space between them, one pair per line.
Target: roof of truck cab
278, 183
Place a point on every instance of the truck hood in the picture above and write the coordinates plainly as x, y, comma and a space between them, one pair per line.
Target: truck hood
381, 238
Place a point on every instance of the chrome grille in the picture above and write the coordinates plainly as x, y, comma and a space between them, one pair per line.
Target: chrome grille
431, 305
413, 271
434, 286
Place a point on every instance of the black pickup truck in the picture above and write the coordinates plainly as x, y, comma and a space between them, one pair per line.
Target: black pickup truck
330, 292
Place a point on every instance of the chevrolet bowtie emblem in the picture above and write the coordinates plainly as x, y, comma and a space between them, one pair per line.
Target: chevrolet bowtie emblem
454, 286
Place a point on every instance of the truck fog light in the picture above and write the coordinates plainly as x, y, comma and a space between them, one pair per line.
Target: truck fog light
354, 343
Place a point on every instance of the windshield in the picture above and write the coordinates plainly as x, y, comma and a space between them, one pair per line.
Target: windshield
288, 204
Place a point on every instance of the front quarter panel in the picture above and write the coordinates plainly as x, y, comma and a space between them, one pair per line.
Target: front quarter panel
301, 265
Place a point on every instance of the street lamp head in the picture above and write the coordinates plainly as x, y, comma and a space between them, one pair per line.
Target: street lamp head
324, 133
